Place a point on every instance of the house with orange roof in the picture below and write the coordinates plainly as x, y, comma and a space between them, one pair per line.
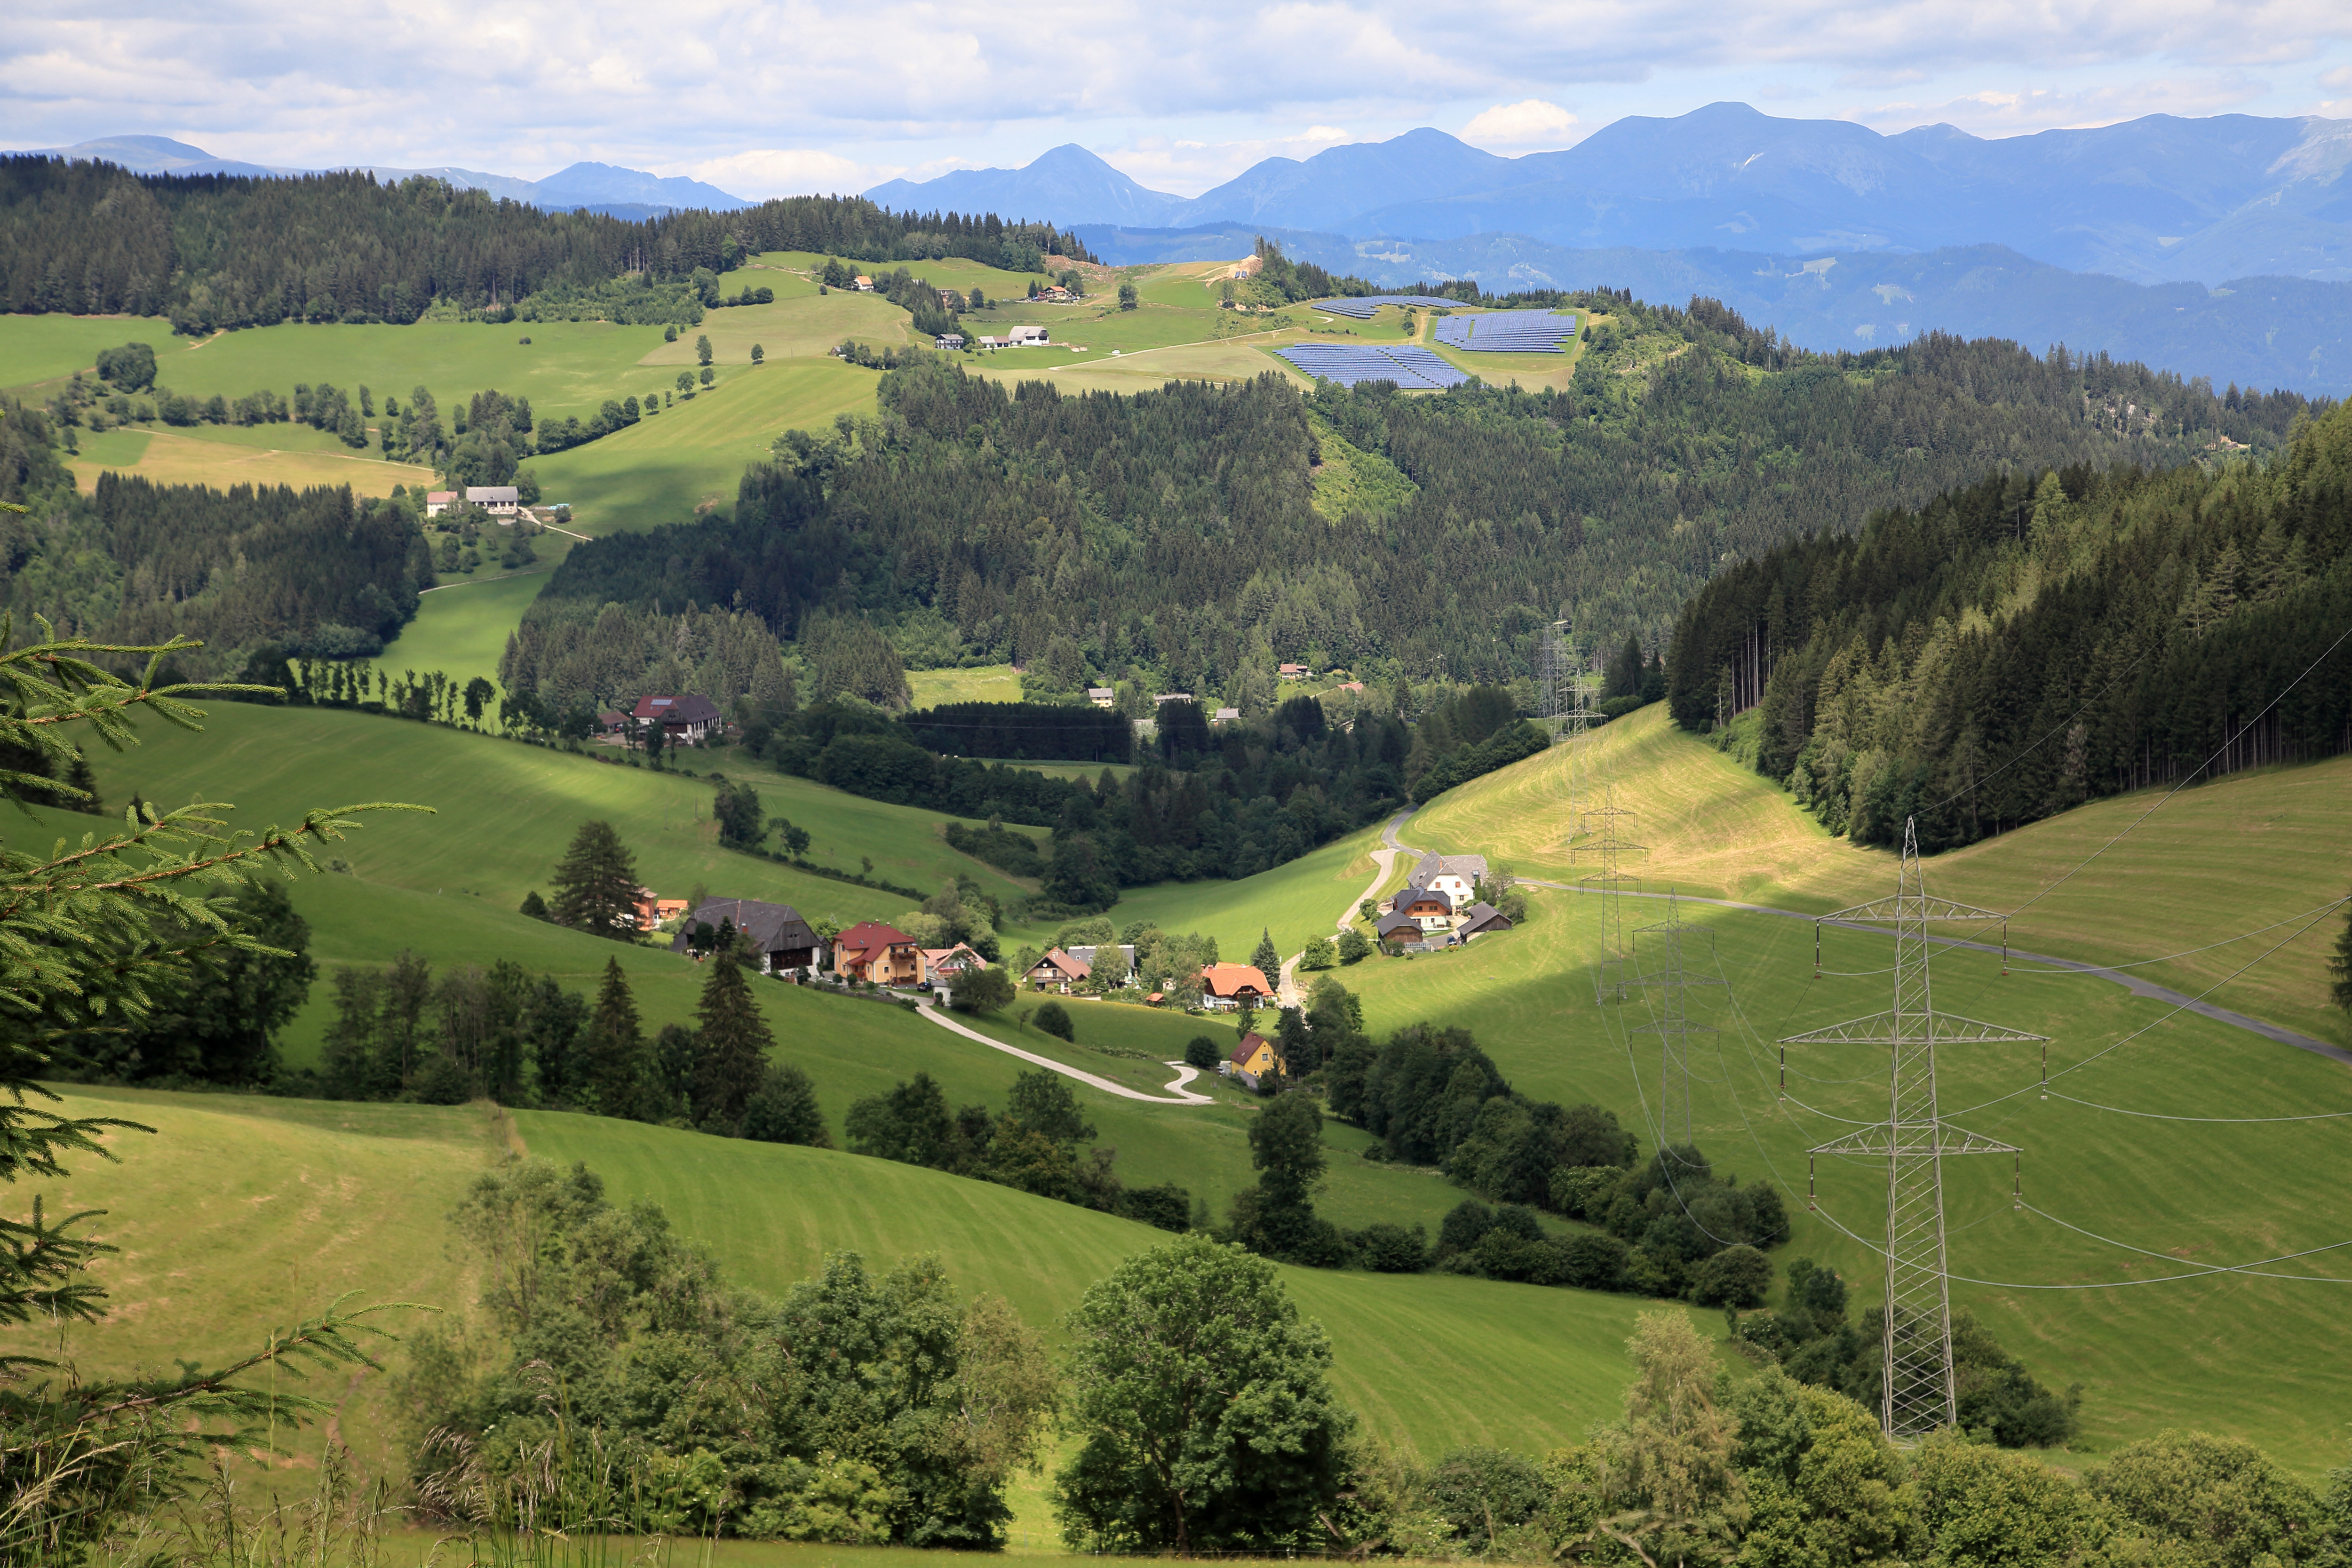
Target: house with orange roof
880, 954
941, 964
1231, 985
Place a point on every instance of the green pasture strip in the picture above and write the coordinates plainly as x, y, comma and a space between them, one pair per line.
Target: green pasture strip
1434, 1361
2251, 1357
2208, 863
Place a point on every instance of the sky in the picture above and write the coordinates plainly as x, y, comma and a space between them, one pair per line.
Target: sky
777, 98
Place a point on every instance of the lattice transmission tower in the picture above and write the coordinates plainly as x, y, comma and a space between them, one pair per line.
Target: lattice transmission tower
1605, 851
1673, 981
1553, 675
1919, 1395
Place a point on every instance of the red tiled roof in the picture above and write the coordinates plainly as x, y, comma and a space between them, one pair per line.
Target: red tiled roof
868, 935
1251, 1043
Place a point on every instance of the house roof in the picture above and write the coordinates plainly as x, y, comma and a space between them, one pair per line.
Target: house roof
868, 935
1076, 968
493, 495
1293, 669
686, 709
1251, 1043
1484, 916
768, 928
937, 956
1173, 697
431, 496
1087, 955
1469, 868
1351, 686
1229, 979
1100, 691
1226, 715
610, 717
1412, 896
1391, 924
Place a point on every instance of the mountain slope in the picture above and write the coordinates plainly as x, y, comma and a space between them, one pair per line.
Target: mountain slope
1337, 184
1067, 182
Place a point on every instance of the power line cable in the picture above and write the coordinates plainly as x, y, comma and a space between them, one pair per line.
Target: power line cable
2234, 1121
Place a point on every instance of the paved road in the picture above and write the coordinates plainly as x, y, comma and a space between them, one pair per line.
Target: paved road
1177, 1093
2131, 982
1286, 992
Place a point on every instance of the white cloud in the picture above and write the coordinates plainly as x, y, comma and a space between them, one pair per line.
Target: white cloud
1530, 125
1188, 167
791, 172
2014, 112
2340, 77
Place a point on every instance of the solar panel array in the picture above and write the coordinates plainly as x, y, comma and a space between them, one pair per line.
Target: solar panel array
1510, 332
1361, 310
1347, 363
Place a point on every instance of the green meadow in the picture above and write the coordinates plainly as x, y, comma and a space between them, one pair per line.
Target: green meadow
461, 627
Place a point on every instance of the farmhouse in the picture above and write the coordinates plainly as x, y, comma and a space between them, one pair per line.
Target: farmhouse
881, 953
862, 283
1251, 1061
1058, 970
1173, 697
652, 910
1425, 906
1114, 961
1226, 716
499, 500
1294, 672
1455, 876
1102, 696
1398, 929
438, 502
776, 932
684, 721
1028, 338
950, 341
941, 964
1231, 985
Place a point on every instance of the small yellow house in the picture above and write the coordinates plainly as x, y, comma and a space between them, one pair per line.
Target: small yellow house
1251, 1059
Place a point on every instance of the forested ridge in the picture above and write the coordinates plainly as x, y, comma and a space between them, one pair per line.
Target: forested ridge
2039, 639
1172, 537
134, 561
220, 250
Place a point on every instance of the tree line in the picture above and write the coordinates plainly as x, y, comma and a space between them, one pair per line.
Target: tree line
134, 560
217, 250
2039, 639
1171, 538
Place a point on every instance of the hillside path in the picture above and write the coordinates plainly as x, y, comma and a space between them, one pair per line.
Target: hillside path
1286, 991
1177, 1093
2131, 982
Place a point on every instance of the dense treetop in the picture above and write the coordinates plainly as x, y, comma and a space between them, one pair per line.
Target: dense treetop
217, 250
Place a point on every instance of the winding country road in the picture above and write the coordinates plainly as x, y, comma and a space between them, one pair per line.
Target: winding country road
1177, 1093
2131, 982
1286, 991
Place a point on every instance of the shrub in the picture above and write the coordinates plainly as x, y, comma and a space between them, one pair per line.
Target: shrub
1202, 1052
1736, 1277
1393, 1249
1054, 1019
1319, 955
783, 1110
1354, 946
980, 990
1167, 1206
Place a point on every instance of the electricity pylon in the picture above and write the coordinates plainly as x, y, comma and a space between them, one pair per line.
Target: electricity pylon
1552, 674
1604, 851
1673, 1027
1919, 1395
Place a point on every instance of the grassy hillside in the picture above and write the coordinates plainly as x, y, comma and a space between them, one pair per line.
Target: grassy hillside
185, 458
461, 627
241, 1214
2212, 862
2233, 1354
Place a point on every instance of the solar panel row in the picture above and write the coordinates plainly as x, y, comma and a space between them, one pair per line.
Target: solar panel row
1514, 331
1406, 365
1361, 308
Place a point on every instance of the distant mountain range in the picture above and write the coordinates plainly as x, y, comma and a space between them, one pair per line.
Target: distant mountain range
590, 188
2159, 199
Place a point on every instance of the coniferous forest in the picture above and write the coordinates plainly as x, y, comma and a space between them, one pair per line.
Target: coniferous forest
218, 250
1175, 535
2035, 639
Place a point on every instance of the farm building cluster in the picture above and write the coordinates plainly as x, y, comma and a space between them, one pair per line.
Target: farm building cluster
1439, 905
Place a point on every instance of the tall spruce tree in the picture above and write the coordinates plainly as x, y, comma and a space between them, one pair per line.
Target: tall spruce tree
596, 884
1267, 961
2340, 965
615, 1074
735, 1043
92, 939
